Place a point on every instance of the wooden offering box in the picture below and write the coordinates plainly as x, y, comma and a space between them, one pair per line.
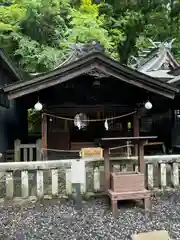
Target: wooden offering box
127, 181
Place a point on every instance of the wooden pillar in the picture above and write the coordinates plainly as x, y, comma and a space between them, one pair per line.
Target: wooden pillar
141, 162
107, 168
98, 114
44, 136
135, 131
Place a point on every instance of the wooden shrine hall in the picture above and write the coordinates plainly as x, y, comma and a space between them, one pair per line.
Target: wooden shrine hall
98, 91
93, 102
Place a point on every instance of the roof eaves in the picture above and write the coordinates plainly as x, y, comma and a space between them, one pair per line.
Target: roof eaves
90, 59
176, 64
175, 72
175, 80
46, 75
142, 76
18, 73
10, 65
154, 55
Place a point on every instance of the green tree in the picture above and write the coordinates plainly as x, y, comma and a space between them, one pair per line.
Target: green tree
86, 24
38, 33
10, 17
42, 37
139, 20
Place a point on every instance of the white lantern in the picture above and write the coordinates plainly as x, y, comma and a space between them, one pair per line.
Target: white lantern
148, 105
38, 106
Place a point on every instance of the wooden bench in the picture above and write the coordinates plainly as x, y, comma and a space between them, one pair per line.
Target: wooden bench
155, 235
115, 196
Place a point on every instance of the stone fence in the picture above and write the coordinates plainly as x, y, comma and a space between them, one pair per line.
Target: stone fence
53, 178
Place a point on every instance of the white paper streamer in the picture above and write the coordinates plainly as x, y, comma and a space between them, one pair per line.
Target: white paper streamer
106, 125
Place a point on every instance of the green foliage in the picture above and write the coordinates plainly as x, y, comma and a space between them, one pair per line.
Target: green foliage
35, 33
10, 17
38, 33
36, 57
87, 24
34, 122
140, 20
41, 47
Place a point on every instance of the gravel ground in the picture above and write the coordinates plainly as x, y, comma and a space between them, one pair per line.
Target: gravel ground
54, 220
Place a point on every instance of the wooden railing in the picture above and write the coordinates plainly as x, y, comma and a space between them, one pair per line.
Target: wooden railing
27, 152
24, 179
9, 156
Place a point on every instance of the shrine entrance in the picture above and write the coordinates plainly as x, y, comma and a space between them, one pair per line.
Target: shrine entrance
102, 89
92, 129
98, 121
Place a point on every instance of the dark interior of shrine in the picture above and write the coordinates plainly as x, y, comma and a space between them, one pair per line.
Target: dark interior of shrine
87, 90
100, 98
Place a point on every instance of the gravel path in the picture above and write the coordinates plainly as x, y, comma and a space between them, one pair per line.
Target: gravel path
52, 220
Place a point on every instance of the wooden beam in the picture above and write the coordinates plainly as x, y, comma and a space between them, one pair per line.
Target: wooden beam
146, 86
141, 162
48, 83
73, 109
44, 136
135, 131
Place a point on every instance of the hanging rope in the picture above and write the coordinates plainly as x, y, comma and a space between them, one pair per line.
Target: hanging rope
60, 150
90, 120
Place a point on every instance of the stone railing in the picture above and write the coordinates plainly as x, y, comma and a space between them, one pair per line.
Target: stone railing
53, 178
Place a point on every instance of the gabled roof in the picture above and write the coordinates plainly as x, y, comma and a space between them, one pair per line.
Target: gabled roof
157, 60
93, 61
160, 58
77, 51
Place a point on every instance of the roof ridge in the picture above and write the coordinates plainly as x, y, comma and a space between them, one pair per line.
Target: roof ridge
79, 50
147, 53
155, 51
